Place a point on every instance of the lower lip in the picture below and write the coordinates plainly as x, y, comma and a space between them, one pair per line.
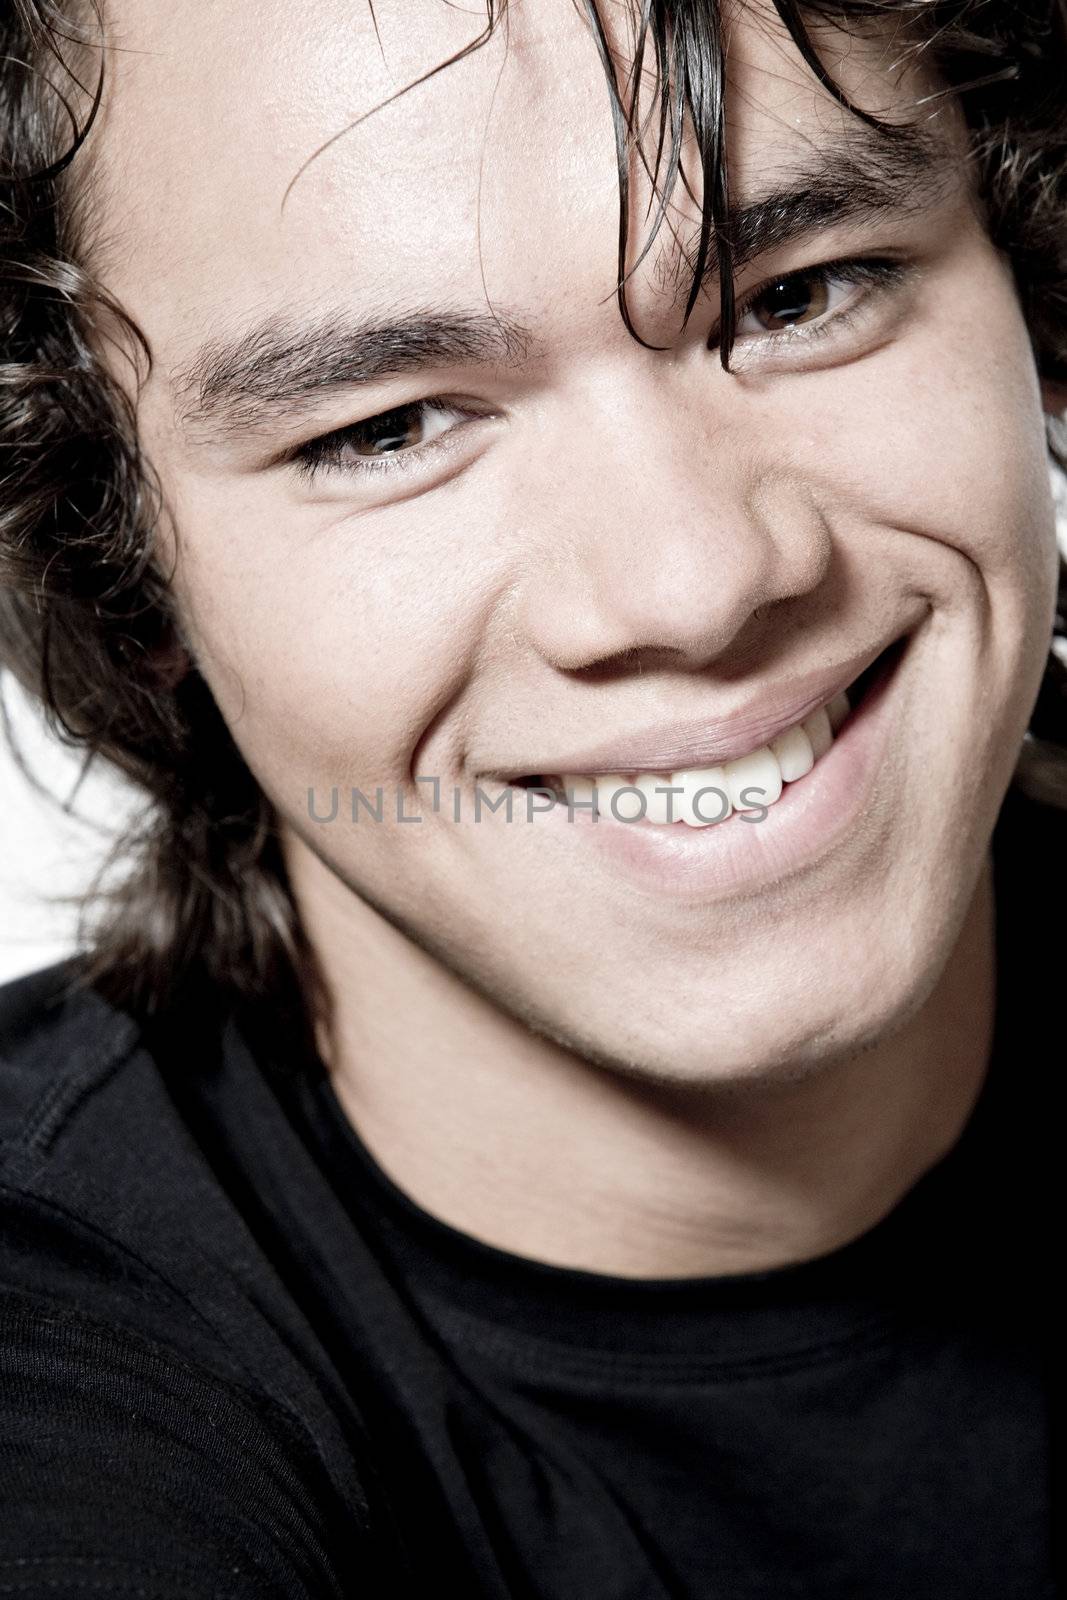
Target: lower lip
806, 824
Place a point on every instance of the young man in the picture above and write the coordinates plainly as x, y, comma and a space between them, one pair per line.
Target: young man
430, 1173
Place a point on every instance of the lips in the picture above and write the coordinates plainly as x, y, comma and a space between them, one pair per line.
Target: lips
701, 797
765, 746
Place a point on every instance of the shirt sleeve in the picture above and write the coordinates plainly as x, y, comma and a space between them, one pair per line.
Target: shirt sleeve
127, 1469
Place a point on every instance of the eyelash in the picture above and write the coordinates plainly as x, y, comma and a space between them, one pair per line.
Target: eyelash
325, 453
876, 273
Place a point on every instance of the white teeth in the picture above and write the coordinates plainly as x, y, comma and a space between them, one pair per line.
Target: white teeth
754, 780
817, 727
793, 753
837, 710
626, 808
660, 806
706, 795
577, 787
702, 810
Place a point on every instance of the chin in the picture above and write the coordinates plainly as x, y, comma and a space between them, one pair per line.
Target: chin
783, 1035
848, 980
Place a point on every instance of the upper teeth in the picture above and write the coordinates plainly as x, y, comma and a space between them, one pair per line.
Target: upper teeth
746, 783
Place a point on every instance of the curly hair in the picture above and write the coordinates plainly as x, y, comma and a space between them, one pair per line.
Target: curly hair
86, 617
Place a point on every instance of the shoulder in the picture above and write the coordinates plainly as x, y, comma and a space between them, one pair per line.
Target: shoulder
140, 1364
109, 1203
56, 1033
88, 1132
107, 1206
127, 1466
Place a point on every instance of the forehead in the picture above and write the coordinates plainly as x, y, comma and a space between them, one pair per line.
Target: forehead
269, 155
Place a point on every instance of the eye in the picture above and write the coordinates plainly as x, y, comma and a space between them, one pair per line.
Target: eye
373, 445
814, 297
802, 297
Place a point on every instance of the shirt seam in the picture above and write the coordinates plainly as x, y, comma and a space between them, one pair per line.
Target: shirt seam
88, 1066
543, 1358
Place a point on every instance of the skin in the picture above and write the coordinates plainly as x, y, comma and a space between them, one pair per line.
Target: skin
537, 1051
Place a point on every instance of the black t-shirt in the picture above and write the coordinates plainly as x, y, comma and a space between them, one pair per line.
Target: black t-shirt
237, 1360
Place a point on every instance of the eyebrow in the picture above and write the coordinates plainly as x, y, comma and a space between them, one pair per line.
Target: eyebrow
282, 366
866, 176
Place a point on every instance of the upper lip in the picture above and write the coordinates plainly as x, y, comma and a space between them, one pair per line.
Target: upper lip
710, 740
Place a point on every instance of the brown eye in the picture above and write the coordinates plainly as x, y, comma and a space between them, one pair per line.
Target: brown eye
390, 441
399, 429
803, 297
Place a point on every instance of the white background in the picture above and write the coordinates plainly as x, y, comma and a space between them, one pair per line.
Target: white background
45, 851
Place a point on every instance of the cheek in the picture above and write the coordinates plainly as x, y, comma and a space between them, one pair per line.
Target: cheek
942, 436
330, 643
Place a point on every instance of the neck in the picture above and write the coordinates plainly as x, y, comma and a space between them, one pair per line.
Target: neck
512, 1139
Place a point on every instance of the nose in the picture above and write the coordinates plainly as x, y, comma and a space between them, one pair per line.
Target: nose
666, 555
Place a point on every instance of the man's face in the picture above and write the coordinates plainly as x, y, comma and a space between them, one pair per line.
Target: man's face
587, 555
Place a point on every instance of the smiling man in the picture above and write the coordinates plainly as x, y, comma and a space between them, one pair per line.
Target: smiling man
556, 515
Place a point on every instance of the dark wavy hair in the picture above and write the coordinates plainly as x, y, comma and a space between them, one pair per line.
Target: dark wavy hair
86, 622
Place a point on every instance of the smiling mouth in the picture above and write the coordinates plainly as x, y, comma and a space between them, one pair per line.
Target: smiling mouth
701, 797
